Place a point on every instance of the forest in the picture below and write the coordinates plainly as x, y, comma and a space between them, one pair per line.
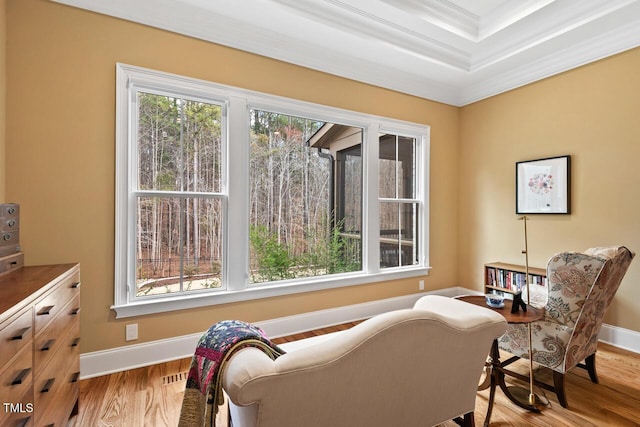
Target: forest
294, 230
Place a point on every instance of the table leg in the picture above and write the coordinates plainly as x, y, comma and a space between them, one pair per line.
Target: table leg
493, 379
497, 379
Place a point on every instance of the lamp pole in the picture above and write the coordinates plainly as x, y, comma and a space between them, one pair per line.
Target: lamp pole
532, 396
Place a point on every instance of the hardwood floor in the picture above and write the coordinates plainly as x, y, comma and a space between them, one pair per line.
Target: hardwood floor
152, 396
615, 401
147, 397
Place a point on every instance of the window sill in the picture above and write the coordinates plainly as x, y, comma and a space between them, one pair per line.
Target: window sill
161, 305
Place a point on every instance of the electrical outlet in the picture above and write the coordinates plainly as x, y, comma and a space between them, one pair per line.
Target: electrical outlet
131, 332
421, 285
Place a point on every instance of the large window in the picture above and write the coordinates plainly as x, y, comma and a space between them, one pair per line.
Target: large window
224, 195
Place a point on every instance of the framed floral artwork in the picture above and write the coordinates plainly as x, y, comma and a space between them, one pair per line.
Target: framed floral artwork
543, 186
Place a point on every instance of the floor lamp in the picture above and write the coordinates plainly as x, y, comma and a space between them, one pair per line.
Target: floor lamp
533, 399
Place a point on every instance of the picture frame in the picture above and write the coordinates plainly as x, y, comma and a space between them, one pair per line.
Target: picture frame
543, 186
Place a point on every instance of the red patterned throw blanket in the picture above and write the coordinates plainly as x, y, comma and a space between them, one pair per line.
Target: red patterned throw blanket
203, 393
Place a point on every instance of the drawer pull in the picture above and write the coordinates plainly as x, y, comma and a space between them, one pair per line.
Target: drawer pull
48, 385
75, 342
20, 335
75, 285
47, 346
23, 374
75, 377
75, 311
46, 310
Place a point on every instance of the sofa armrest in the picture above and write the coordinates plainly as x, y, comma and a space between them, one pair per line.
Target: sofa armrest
459, 314
247, 364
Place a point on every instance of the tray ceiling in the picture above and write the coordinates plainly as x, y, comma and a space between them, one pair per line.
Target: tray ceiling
452, 51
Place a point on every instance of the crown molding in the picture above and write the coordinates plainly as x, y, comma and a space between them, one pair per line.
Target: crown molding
444, 14
581, 53
433, 49
376, 29
507, 14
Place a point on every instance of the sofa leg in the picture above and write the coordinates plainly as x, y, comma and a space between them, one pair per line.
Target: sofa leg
469, 420
558, 385
466, 421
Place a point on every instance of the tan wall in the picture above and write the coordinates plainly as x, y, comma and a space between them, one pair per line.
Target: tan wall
590, 113
3, 95
60, 83
60, 146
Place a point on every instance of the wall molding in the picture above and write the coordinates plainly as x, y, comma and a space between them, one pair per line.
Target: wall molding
620, 337
119, 359
431, 49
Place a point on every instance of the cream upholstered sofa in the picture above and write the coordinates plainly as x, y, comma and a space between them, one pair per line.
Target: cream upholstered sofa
413, 367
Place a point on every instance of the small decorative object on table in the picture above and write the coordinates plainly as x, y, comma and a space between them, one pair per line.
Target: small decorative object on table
517, 303
494, 300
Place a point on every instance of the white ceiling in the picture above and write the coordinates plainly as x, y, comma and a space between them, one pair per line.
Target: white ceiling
452, 51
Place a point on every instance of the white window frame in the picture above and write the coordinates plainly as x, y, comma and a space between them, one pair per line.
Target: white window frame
236, 284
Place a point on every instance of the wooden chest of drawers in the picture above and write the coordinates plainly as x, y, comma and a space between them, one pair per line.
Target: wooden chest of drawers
39, 345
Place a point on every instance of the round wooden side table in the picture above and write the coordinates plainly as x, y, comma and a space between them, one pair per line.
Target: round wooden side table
516, 394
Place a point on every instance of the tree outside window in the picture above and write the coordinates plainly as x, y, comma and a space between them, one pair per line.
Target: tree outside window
179, 217
298, 228
225, 194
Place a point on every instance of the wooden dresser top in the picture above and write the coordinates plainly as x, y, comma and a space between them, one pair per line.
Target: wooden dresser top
21, 286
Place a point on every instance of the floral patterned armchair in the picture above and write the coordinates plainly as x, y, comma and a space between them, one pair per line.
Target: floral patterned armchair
580, 288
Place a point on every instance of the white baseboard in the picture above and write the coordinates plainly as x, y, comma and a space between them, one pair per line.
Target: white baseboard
138, 355
620, 337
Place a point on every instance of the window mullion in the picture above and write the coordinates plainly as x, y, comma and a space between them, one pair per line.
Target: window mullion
371, 206
236, 251
422, 193
132, 185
